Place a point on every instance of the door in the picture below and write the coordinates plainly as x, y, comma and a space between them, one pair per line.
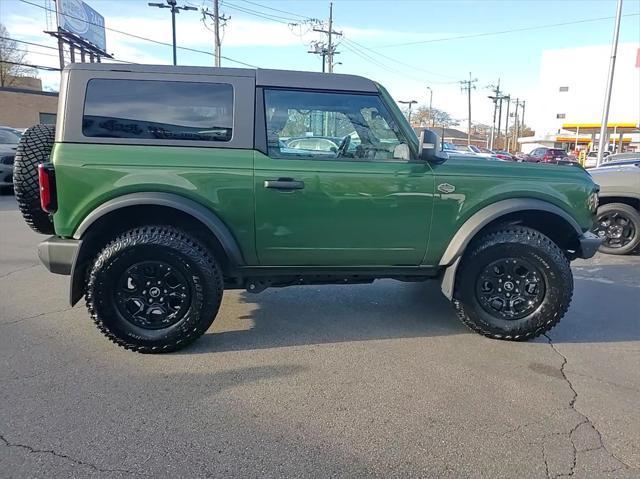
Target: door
337, 184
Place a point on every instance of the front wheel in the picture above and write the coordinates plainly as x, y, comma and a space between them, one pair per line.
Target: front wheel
514, 284
154, 289
618, 225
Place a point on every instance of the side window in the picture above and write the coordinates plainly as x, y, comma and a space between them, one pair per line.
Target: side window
158, 110
329, 126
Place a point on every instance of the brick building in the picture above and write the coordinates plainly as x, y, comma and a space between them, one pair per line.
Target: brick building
24, 104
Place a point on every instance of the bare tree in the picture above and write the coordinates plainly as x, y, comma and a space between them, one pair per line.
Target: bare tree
13, 64
441, 118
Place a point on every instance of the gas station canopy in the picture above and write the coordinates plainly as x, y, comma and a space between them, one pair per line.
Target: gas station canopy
594, 128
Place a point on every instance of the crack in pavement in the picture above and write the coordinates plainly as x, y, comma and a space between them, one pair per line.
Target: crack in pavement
33, 450
585, 419
19, 269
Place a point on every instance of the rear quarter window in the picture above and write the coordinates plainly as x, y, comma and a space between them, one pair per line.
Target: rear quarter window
158, 110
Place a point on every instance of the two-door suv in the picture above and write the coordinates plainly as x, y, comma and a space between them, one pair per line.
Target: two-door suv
163, 186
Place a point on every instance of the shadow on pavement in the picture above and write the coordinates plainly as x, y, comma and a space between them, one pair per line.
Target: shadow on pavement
304, 315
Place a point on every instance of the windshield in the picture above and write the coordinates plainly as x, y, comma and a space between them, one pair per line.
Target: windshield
9, 136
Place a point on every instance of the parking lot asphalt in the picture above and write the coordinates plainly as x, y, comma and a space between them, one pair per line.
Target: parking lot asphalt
373, 380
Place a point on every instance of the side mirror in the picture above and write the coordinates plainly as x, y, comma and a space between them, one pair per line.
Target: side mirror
430, 148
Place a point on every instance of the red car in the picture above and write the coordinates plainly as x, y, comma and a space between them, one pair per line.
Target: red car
549, 155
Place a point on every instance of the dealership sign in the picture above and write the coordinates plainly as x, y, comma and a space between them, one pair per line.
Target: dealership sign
82, 21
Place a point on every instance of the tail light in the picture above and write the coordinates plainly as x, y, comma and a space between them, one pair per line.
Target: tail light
547, 157
47, 180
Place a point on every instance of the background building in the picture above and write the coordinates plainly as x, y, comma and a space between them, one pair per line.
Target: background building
24, 104
570, 96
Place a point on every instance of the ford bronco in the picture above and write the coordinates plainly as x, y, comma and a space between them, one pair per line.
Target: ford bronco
163, 186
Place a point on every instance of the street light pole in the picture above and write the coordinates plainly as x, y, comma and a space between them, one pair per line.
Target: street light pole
607, 96
172, 4
408, 102
430, 105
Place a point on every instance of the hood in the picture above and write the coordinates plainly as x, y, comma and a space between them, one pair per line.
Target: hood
620, 179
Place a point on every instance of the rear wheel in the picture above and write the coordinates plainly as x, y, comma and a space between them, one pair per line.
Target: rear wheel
618, 225
154, 289
514, 284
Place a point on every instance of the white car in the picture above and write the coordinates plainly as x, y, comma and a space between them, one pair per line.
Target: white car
592, 159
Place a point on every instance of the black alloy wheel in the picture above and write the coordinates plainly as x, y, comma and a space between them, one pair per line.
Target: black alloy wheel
152, 294
510, 288
618, 225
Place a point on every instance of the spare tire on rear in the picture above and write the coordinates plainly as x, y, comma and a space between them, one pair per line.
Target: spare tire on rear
34, 148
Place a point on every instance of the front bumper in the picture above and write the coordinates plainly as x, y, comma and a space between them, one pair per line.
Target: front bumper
58, 254
589, 244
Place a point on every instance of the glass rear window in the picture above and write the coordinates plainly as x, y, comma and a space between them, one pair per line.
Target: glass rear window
557, 152
158, 110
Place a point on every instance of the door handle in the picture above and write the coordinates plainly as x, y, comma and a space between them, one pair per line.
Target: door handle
284, 184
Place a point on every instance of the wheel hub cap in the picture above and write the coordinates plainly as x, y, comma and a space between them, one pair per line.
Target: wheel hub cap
152, 295
510, 288
615, 229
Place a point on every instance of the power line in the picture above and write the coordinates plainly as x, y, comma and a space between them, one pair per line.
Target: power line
37, 67
49, 47
278, 10
399, 62
28, 43
255, 13
502, 32
140, 37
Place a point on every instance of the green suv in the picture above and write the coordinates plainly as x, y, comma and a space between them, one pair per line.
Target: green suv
164, 186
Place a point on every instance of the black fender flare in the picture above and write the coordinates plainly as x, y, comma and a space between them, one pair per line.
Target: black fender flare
451, 257
170, 200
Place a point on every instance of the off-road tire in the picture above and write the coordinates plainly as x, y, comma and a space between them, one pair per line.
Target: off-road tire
633, 215
514, 242
154, 243
34, 148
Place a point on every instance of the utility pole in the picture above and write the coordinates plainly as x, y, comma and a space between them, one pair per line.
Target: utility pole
607, 95
496, 91
330, 50
172, 4
430, 105
516, 127
506, 124
468, 85
218, 21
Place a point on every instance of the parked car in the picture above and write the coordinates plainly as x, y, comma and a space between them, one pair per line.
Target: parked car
9, 138
504, 155
592, 158
165, 192
618, 158
618, 219
550, 155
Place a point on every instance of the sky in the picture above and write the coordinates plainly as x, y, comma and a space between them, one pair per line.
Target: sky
404, 45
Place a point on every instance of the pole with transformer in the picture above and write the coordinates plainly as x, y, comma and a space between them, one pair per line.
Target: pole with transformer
328, 52
468, 85
218, 21
607, 96
216, 28
496, 91
172, 4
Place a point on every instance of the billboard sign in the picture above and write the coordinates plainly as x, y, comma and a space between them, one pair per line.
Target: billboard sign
79, 19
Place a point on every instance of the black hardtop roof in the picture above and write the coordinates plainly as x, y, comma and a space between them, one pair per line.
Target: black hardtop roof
263, 77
